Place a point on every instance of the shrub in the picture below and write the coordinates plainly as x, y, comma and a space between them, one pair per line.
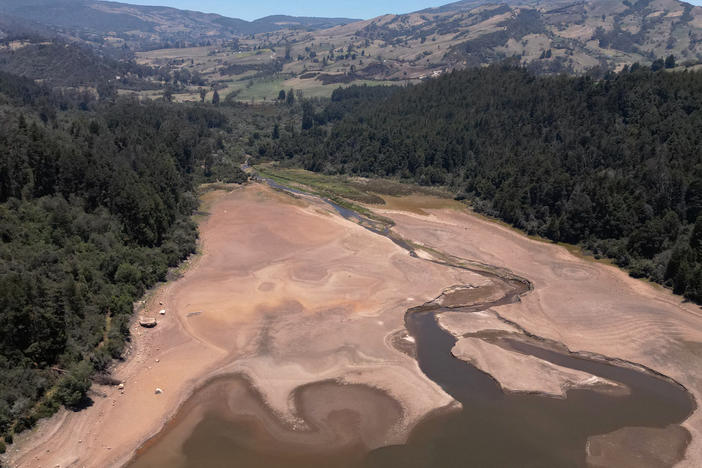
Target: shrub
74, 385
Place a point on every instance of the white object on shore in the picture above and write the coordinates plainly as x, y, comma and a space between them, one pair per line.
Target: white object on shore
147, 322
162, 311
158, 391
121, 386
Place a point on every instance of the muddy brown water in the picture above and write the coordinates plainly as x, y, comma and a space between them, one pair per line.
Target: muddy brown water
226, 423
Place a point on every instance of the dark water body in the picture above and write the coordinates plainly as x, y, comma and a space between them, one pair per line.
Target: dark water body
493, 429
498, 429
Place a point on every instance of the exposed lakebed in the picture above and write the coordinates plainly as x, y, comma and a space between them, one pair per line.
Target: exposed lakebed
227, 422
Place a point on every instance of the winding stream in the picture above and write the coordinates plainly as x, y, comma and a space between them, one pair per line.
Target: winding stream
493, 428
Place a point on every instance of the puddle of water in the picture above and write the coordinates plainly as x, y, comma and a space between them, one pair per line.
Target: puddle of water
497, 429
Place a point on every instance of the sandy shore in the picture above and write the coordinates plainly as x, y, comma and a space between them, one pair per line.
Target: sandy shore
288, 294
343, 420
285, 293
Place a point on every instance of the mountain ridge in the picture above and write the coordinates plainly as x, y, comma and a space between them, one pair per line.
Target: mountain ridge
147, 27
188, 50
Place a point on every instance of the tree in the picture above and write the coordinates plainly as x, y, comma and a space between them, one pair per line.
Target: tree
281, 95
107, 91
203, 94
276, 132
696, 236
670, 61
215, 98
168, 94
290, 98
74, 385
94, 208
307, 115
610, 163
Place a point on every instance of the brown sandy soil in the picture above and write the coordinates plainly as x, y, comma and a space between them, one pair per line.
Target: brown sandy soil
517, 372
417, 203
288, 295
459, 323
285, 293
585, 305
457, 296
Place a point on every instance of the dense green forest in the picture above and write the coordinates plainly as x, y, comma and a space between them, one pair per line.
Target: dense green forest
62, 64
613, 164
95, 204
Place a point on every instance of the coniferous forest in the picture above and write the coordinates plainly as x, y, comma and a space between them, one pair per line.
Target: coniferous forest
613, 164
95, 205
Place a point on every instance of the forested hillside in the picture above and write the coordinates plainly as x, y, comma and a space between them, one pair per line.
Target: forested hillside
62, 64
95, 199
612, 164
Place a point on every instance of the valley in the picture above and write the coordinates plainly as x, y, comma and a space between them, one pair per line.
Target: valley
252, 331
466, 235
190, 52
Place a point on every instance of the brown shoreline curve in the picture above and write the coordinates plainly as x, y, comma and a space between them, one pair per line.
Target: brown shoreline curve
346, 420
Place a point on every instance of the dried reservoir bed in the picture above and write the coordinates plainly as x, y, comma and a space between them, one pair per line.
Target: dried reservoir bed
317, 343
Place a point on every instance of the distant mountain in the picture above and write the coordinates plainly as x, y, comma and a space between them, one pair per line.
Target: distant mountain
144, 27
465, 5
549, 36
276, 22
568, 35
71, 65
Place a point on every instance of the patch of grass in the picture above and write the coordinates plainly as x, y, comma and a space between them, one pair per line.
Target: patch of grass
315, 88
358, 189
262, 89
336, 189
337, 186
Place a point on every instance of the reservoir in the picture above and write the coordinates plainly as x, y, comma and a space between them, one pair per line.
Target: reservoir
227, 423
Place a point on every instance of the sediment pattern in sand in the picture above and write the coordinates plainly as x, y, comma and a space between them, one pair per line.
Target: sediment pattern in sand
285, 293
